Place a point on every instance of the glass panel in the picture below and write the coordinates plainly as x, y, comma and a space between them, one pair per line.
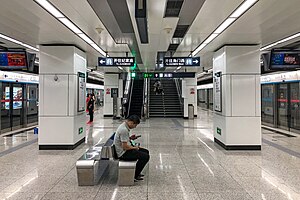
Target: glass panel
295, 107
210, 98
5, 106
282, 102
32, 101
267, 103
202, 98
17, 111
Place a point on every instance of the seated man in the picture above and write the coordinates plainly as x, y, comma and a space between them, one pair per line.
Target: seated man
125, 151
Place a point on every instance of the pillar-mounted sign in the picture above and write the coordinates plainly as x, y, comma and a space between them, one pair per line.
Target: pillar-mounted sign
114, 92
81, 92
218, 91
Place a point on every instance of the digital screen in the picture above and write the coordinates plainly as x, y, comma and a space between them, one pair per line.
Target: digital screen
13, 60
283, 60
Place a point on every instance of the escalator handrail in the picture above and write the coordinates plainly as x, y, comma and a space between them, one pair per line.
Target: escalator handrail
130, 95
145, 99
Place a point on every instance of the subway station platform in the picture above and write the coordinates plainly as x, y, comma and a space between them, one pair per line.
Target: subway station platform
185, 164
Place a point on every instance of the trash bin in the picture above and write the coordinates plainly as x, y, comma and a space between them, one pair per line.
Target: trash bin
191, 111
35, 130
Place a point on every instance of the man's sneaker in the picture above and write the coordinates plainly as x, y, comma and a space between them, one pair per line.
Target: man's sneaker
138, 179
141, 175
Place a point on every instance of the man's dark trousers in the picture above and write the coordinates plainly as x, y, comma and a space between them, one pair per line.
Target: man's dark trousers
142, 157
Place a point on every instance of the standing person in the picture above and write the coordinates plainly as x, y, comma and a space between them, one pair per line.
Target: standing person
91, 105
125, 151
88, 96
157, 87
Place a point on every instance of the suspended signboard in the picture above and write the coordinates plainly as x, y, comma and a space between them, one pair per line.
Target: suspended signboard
116, 61
169, 75
181, 61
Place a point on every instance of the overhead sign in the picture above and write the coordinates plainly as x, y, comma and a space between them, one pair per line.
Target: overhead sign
116, 61
169, 75
181, 61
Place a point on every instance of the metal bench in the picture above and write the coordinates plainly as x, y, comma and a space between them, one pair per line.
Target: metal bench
93, 163
126, 169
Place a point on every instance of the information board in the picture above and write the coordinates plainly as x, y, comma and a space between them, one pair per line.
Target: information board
81, 91
218, 91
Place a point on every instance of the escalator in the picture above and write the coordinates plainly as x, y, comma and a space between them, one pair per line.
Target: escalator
136, 102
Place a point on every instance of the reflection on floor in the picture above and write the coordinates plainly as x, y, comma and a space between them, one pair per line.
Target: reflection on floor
185, 164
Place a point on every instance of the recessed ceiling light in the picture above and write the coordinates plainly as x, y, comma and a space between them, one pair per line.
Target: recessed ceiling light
226, 23
18, 42
50, 8
280, 41
69, 24
210, 38
242, 8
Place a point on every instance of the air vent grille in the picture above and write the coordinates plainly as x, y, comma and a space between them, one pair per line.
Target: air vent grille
180, 31
173, 47
173, 8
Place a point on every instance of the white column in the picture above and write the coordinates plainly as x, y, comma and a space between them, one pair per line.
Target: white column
62, 97
189, 94
111, 81
237, 116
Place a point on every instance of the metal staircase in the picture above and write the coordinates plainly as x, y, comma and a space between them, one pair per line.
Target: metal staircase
167, 104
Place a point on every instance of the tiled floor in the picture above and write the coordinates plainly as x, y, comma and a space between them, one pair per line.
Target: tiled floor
185, 164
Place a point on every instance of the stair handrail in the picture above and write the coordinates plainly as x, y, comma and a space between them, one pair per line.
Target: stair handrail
179, 91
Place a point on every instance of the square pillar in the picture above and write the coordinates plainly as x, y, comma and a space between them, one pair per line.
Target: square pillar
62, 118
237, 116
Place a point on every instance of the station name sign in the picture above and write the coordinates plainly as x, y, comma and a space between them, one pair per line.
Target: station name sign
181, 61
116, 61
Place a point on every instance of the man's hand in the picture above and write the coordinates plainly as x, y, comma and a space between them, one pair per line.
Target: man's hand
134, 137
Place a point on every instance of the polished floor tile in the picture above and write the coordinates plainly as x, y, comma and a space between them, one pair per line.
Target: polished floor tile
185, 163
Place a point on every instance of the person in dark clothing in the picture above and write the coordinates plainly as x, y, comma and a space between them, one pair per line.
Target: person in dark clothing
125, 151
90, 106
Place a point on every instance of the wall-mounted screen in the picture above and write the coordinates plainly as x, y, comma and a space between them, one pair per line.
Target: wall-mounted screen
285, 60
11, 60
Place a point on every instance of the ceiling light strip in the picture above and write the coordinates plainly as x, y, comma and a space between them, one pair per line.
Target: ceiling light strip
225, 24
69, 24
280, 41
18, 42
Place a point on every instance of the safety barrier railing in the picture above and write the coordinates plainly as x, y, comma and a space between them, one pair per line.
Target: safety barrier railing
179, 91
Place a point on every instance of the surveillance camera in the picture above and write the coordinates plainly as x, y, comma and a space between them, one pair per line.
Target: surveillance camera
99, 30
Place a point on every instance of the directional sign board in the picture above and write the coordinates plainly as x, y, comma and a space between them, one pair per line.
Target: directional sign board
116, 61
181, 61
